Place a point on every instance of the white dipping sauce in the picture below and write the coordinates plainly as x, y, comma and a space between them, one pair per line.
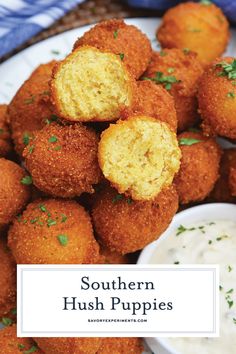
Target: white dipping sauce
207, 242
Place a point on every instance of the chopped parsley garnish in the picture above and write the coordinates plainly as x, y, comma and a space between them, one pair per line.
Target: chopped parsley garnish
230, 303
115, 34
129, 201
55, 51
117, 198
52, 139
221, 237
42, 208
33, 221
6, 321
221, 288
51, 222
229, 70
234, 321
63, 218
13, 311
206, 2
63, 239
27, 180
31, 350
170, 70
46, 93
209, 242
1, 131
31, 149
189, 141
177, 262
121, 56
230, 269
186, 51
26, 139
182, 229
162, 53
166, 80
30, 100
230, 95
230, 291
52, 119
21, 346
57, 148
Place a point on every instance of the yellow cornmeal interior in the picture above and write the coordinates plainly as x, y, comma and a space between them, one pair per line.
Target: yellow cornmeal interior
139, 156
92, 84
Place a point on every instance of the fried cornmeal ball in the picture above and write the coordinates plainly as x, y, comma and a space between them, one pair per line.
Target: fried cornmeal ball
124, 225
202, 28
11, 344
53, 231
139, 156
199, 169
30, 109
5, 137
62, 160
217, 98
179, 72
109, 257
154, 101
69, 345
121, 346
14, 190
125, 40
7, 280
91, 85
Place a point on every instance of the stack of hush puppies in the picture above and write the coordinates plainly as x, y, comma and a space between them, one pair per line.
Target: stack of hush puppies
98, 170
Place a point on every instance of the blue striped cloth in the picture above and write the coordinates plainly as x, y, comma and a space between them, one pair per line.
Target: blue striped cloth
22, 19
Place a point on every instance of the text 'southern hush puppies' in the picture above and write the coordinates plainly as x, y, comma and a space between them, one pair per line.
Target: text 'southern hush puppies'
121, 346
30, 108
53, 232
139, 156
128, 41
154, 101
217, 98
62, 160
179, 72
199, 169
200, 27
14, 190
5, 137
69, 345
92, 85
7, 281
124, 225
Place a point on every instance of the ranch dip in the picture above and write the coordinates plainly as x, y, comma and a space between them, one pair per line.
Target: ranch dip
206, 242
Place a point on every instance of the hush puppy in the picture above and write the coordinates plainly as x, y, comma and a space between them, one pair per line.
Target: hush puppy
128, 41
5, 137
14, 190
121, 346
109, 257
69, 345
62, 160
199, 169
92, 85
139, 156
30, 109
124, 225
217, 98
201, 27
53, 231
11, 344
179, 72
7, 280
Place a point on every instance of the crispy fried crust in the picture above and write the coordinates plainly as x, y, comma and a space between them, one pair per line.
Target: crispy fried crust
216, 105
119, 38
13, 194
183, 66
69, 345
125, 226
121, 346
199, 169
53, 231
92, 85
5, 137
201, 28
63, 160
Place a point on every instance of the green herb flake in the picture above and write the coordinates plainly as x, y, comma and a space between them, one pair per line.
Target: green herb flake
189, 141
177, 262
51, 222
27, 180
46, 93
206, 2
26, 139
115, 34
228, 70
52, 139
29, 100
230, 269
230, 95
63, 239
180, 230
52, 119
63, 218
163, 53
170, 70
234, 321
209, 242
166, 80
1, 131
21, 346
221, 288
57, 148
13, 311
220, 238
186, 51
230, 291
55, 52
230, 303
33, 221
31, 149
129, 201
42, 208
117, 198
33, 349
121, 56
6, 321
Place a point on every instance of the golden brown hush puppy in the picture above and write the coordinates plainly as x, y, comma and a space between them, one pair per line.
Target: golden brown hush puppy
179, 72
124, 226
199, 169
62, 160
5, 137
30, 109
217, 98
53, 231
11, 344
121, 346
139, 156
154, 101
69, 345
125, 40
110, 257
200, 27
7, 280
14, 190
92, 85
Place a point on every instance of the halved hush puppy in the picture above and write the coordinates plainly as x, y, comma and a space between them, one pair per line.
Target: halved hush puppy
91, 85
139, 156
121, 39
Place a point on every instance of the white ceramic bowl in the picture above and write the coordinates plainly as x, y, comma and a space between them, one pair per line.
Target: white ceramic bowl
211, 211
